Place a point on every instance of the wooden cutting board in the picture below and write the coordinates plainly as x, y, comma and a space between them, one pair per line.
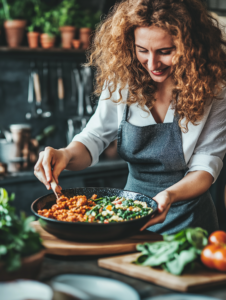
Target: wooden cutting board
199, 279
56, 246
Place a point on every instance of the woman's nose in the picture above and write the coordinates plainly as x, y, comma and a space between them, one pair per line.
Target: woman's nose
153, 63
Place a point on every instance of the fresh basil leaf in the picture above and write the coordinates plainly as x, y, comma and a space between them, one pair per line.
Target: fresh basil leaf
141, 259
177, 265
197, 237
164, 254
175, 237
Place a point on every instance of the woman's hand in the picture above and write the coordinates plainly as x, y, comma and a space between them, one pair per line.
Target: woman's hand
164, 200
51, 162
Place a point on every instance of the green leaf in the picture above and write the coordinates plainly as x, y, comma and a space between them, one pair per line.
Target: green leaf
13, 263
197, 237
177, 265
175, 237
164, 253
3, 250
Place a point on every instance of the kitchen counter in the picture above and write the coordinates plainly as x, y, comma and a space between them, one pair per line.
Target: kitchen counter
56, 265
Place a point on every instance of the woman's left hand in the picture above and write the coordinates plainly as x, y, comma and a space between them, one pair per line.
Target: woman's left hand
164, 200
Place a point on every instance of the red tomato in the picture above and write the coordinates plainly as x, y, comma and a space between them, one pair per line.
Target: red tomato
217, 237
220, 259
214, 254
207, 255
106, 221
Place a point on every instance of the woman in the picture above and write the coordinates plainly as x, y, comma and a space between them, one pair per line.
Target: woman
161, 75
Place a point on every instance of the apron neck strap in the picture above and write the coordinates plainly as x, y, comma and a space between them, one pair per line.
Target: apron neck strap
125, 113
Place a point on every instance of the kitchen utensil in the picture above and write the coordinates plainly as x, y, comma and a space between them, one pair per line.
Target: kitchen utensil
56, 188
30, 99
85, 231
46, 112
87, 84
56, 246
94, 287
199, 279
60, 88
80, 86
37, 89
73, 87
70, 131
21, 135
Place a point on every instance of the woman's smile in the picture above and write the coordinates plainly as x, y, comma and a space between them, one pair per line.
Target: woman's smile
159, 72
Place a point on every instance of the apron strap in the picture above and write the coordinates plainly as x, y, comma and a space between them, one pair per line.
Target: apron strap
125, 113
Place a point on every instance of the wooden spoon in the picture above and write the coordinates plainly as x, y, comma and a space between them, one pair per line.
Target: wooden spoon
56, 188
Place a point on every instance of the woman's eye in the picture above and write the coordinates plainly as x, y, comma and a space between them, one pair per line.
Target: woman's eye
143, 51
165, 53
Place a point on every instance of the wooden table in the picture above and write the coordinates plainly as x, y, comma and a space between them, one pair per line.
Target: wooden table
56, 265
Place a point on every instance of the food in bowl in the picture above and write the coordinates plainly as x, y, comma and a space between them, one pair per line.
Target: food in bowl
99, 210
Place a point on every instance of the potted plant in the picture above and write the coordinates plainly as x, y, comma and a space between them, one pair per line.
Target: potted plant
15, 13
21, 250
49, 27
87, 22
68, 13
33, 34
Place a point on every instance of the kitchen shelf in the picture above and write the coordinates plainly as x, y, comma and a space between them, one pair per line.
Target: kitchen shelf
27, 49
26, 53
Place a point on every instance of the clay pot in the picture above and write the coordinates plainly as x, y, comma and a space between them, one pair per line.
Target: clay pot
76, 44
30, 268
67, 35
33, 39
47, 41
14, 32
85, 37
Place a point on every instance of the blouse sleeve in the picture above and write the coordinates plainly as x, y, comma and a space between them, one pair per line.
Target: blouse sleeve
211, 146
102, 128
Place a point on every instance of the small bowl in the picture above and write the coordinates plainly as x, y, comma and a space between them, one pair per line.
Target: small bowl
92, 232
76, 44
25, 289
30, 268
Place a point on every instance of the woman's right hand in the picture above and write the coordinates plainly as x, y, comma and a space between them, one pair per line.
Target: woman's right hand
51, 162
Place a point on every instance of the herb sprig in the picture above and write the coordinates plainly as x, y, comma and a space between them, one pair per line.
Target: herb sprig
17, 238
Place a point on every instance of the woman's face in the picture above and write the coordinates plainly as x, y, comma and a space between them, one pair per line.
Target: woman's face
155, 50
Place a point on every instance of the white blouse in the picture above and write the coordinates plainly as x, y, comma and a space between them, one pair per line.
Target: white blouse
204, 145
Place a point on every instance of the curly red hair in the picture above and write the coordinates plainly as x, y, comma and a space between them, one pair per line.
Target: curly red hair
199, 65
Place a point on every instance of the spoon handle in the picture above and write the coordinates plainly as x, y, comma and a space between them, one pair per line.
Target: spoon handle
56, 188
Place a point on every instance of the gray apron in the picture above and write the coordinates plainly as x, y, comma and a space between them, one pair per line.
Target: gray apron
156, 161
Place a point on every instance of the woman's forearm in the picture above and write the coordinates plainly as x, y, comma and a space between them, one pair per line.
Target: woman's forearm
192, 185
79, 156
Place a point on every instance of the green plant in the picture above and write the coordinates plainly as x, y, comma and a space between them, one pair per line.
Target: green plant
17, 238
17, 9
89, 19
68, 12
49, 22
35, 20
